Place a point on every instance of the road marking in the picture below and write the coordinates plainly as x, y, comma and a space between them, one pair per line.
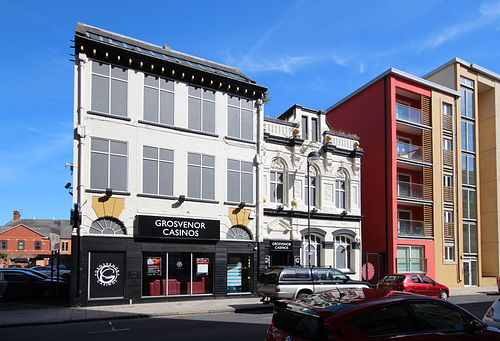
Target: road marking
109, 331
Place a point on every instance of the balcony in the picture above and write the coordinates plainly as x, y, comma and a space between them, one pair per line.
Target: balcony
409, 151
407, 113
410, 190
411, 265
411, 227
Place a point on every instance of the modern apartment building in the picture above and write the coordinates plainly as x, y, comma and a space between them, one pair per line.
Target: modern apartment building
410, 202
476, 139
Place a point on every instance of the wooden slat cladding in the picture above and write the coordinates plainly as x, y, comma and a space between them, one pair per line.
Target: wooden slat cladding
449, 230
426, 110
448, 158
427, 177
447, 123
448, 194
426, 146
428, 228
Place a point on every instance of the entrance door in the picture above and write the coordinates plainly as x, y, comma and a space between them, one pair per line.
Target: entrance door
470, 272
239, 273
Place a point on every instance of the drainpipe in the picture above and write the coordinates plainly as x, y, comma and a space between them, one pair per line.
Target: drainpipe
259, 177
385, 180
78, 170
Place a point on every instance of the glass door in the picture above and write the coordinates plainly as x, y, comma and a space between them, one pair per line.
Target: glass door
239, 273
470, 272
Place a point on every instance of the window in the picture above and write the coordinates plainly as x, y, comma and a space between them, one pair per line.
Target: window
467, 98
310, 190
340, 194
470, 238
158, 100
108, 164
64, 246
201, 176
447, 144
447, 109
436, 316
277, 186
305, 127
404, 185
201, 109
448, 180
3, 245
469, 203
410, 258
448, 217
449, 253
38, 245
342, 252
240, 118
468, 169
314, 129
158, 171
315, 250
109, 89
239, 181
21, 244
468, 141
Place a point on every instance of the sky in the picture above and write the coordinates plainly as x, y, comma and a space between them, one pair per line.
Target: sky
312, 53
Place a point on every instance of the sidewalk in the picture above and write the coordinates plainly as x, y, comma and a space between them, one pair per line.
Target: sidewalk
46, 315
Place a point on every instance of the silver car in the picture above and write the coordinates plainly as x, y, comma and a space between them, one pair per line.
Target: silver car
492, 316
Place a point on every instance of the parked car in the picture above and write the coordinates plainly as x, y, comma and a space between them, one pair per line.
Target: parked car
415, 283
492, 316
52, 271
24, 284
297, 282
374, 314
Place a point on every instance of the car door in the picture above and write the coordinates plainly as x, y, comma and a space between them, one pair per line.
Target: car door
18, 284
322, 279
414, 284
429, 286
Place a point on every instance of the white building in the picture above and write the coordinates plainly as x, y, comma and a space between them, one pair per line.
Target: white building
333, 217
173, 174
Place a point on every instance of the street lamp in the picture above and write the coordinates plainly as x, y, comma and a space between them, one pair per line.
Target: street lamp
312, 158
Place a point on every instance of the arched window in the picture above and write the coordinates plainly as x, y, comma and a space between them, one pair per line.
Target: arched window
315, 250
107, 225
342, 254
239, 232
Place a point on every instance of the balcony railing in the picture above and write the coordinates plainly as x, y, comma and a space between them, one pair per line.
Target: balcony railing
411, 227
409, 151
408, 113
411, 265
410, 190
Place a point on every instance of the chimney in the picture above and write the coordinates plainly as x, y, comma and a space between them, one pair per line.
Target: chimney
16, 215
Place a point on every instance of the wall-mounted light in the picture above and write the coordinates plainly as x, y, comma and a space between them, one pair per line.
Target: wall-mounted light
280, 207
109, 192
314, 210
182, 198
241, 205
344, 213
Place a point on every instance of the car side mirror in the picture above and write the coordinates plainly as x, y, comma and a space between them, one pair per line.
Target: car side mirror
476, 327
347, 278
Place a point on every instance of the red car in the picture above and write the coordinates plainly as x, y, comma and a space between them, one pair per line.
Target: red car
418, 284
374, 314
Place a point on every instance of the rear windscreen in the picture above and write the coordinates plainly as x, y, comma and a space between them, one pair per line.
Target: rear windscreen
393, 279
297, 324
268, 278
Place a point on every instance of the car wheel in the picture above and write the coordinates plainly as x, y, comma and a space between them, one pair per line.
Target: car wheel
302, 295
443, 295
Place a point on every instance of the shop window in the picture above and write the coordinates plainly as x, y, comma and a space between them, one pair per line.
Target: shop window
239, 273
177, 273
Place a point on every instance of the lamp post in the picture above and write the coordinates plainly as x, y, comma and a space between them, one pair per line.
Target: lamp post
313, 157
